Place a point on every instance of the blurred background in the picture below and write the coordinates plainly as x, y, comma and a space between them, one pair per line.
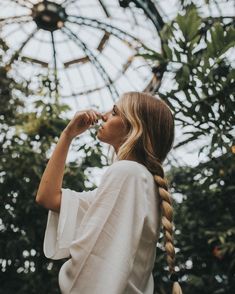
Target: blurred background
58, 57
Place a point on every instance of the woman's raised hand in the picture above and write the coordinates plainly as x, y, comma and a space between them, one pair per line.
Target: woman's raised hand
49, 190
81, 122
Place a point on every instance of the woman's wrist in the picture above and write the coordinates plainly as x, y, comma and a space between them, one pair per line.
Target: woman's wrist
67, 135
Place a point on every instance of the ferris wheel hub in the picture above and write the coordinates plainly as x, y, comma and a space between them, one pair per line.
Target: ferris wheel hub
49, 16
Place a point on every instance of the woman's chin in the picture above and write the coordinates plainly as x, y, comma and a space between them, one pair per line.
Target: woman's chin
98, 135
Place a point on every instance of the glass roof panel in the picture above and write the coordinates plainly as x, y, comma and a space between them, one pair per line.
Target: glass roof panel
94, 43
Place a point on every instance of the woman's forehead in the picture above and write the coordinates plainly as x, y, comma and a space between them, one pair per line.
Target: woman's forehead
114, 107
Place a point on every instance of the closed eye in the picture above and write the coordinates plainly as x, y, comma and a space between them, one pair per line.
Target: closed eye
113, 110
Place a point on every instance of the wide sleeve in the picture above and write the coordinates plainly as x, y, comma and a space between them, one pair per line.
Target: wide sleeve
102, 256
61, 227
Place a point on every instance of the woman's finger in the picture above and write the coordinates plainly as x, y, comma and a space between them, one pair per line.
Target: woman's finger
93, 115
98, 114
87, 118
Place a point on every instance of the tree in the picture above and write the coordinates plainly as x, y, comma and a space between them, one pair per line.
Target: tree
205, 220
25, 143
195, 57
197, 61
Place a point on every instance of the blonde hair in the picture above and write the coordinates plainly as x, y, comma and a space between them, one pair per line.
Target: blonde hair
150, 137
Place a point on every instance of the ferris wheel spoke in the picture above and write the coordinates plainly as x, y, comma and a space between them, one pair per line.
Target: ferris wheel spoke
30, 2
75, 93
16, 54
16, 22
68, 2
22, 3
97, 85
219, 9
104, 8
27, 2
152, 12
55, 63
93, 59
121, 72
15, 19
85, 92
109, 29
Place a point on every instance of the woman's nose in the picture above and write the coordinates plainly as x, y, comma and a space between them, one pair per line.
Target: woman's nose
104, 117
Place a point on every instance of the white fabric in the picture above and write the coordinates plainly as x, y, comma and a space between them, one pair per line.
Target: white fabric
109, 234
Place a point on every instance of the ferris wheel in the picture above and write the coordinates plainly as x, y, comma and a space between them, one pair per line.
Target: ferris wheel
87, 47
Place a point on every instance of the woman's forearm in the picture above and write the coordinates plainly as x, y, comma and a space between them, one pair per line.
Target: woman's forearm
49, 191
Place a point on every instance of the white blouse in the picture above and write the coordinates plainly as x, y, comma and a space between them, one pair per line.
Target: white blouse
109, 234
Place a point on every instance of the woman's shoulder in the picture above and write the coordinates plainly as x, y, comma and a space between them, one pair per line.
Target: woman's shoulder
128, 167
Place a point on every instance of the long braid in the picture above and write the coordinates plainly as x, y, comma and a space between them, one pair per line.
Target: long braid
150, 125
167, 217
167, 222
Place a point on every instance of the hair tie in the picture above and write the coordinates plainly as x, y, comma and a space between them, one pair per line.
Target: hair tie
174, 277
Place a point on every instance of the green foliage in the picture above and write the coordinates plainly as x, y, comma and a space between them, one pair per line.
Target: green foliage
26, 139
189, 24
205, 220
196, 53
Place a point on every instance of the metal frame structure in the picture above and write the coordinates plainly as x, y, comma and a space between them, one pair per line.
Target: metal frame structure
56, 15
51, 16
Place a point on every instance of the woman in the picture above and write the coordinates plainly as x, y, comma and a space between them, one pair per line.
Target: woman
110, 234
